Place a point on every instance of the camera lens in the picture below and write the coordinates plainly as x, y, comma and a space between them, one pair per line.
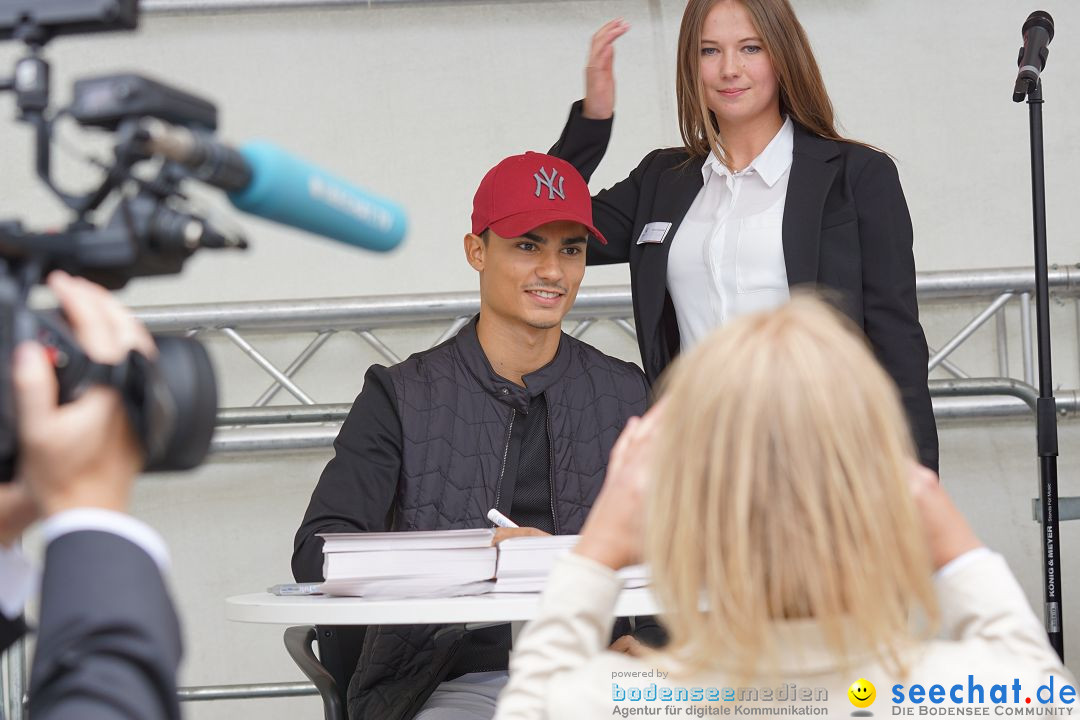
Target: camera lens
187, 378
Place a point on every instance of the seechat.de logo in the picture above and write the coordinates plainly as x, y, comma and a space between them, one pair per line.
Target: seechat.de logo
862, 694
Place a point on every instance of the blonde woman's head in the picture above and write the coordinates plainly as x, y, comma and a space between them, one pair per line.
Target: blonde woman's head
781, 493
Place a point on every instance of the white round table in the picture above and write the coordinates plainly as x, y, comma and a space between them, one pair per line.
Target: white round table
488, 608
473, 611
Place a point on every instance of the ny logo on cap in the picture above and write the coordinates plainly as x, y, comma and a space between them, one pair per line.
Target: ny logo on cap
543, 181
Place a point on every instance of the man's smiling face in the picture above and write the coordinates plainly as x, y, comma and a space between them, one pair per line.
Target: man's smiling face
532, 279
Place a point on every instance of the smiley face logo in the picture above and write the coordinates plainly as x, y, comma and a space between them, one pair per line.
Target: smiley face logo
862, 693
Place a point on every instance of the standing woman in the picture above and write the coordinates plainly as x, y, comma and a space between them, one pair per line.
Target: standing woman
763, 196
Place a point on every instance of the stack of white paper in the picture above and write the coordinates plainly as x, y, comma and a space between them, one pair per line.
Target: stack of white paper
408, 564
524, 564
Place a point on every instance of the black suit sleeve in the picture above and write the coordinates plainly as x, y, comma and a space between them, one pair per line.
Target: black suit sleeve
582, 144
356, 490
890, 307
108, 644
583, 141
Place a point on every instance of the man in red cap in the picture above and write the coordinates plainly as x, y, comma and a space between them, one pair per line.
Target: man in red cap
511, 414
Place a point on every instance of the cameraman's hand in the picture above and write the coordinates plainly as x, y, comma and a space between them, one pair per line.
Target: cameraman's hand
17, 512
82, 454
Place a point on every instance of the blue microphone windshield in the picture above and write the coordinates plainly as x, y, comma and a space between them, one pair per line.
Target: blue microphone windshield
293, 192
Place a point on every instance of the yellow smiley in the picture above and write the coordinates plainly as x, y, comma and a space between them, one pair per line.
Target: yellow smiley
862, 693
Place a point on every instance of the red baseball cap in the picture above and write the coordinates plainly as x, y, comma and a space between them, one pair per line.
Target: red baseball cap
523, 192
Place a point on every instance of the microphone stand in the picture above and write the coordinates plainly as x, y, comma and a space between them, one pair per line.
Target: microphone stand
1046, 407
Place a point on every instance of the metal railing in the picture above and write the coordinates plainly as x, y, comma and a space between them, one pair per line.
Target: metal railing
253, 691
306, 424
193, 7
259, 427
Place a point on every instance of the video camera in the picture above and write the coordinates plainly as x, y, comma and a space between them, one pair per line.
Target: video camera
172, 400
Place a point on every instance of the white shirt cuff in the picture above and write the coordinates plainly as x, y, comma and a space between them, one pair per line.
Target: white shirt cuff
957, 563
17, 581
112, 522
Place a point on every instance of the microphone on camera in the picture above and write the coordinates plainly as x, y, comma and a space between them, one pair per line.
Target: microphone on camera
264, 180
1038, 31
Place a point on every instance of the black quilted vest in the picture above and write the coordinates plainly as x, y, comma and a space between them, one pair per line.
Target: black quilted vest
456, 417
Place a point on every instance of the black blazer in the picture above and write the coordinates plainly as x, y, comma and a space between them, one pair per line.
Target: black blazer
846, 230
108, 643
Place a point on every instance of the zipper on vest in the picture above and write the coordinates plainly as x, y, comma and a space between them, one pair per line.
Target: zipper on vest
551, 469
506, 453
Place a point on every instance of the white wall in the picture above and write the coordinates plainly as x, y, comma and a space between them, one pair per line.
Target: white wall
417, 101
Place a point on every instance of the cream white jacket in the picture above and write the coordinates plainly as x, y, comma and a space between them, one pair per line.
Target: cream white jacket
560, 667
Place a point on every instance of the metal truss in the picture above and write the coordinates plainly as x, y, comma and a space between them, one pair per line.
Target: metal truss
302, 423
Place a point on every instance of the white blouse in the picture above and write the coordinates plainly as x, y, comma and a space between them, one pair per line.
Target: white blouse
727, 258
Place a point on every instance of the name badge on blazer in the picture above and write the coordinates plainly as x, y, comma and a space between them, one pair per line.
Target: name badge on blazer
654, 233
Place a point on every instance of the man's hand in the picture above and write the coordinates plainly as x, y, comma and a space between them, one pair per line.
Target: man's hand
614, 531
600, 71
84, 453
948, 535
507, 533
629, 645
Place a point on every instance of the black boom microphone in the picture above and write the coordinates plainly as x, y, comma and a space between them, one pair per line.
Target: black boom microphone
1038, 31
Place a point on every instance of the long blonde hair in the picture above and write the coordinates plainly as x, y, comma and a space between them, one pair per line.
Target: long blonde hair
781, 494
802, 91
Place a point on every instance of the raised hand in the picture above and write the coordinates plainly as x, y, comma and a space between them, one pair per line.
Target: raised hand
600, 70
948, 534
614, 531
